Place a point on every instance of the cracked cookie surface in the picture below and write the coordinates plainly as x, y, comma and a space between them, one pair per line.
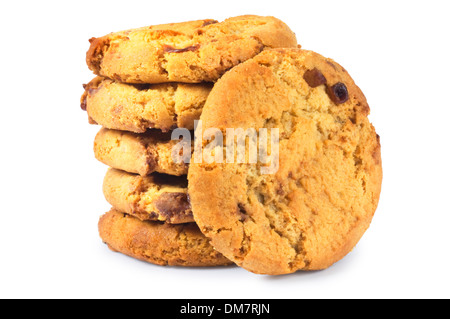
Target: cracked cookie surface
139, 107
140, 154
321, 200
158, 243
189, 52
157, 197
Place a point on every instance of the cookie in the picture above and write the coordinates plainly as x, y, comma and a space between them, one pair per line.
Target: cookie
321, 195
140, 154
158, 243
138, 107
189, 52
155, 197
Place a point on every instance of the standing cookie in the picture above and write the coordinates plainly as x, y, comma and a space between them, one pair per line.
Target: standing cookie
190, 52
313, 208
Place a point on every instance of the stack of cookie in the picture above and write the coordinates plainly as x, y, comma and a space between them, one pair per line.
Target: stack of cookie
249, 75
150, 81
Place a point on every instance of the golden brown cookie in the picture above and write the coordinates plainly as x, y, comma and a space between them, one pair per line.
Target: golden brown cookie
158, 197
158, 243
313, 209
141, 154
138, 107
189, 52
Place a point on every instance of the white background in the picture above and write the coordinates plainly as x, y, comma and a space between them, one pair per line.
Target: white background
51, 198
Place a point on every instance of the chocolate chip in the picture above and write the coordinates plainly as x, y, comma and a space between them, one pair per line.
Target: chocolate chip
280, 190
242, 213
117, 77
171, 49
172, 204
208, 22
338, 93
314, 78
92, 91
331, 64
152, 216
83, 105
141, 86
151, 163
